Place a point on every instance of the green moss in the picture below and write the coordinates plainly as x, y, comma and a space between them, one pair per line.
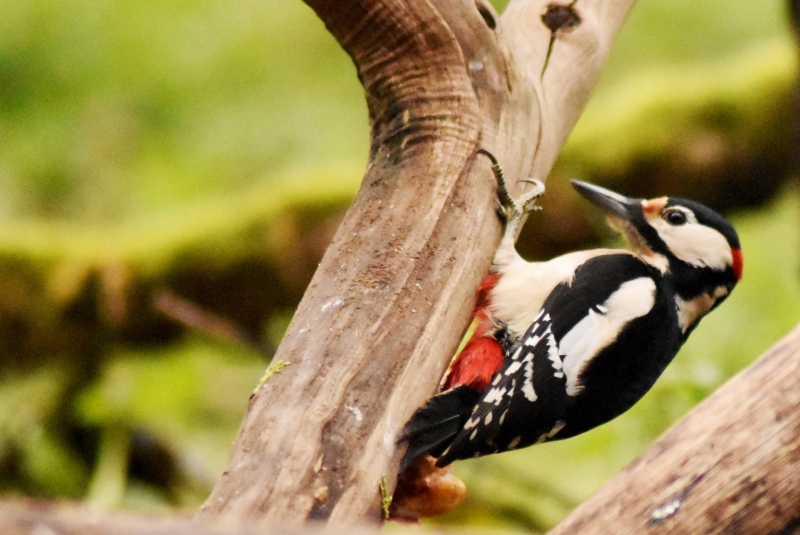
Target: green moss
273, 369
151, 242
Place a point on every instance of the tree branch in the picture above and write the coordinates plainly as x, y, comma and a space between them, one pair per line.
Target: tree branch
393, 294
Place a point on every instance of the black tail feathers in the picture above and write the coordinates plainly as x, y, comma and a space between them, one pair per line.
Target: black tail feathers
433, 426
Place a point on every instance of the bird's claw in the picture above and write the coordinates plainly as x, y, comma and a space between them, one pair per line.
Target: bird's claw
510, 209
522, 205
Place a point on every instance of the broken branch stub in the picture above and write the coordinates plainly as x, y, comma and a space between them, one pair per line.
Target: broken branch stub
394, 291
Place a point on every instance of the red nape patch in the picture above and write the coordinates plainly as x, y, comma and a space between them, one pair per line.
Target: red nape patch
738, 263
476, 364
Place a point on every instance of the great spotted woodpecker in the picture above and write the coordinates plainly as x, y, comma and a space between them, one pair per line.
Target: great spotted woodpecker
563, 346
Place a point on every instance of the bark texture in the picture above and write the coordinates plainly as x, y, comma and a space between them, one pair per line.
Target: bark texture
731, 466
393, 294
30, 517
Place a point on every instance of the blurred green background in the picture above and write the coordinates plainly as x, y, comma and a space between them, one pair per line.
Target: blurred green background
171, 173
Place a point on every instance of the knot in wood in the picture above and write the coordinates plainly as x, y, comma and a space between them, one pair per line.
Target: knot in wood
559, 17
487, 13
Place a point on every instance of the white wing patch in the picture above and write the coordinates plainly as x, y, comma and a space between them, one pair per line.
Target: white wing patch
597, 330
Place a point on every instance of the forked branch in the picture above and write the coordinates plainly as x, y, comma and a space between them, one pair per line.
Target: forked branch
393, 294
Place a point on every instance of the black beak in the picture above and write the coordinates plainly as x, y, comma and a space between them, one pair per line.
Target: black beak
614, 203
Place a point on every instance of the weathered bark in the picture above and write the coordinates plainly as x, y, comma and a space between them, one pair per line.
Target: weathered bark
24, 517
392, 296
30, 517
731, 466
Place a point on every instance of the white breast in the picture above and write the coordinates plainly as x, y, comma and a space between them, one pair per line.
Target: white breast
523, 286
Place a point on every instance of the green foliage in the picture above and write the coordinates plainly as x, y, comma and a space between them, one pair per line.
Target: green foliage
189, 397
33, 458
213, 226
689, 108
133, 108
660, 34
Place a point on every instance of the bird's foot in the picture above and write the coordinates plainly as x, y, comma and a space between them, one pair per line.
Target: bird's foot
511, 210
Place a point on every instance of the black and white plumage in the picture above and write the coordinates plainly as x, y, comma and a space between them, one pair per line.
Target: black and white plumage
584, 335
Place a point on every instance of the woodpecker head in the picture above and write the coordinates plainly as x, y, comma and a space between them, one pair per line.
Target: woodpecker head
691, 244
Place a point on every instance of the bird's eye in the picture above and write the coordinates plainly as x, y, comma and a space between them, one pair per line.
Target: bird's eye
675, 217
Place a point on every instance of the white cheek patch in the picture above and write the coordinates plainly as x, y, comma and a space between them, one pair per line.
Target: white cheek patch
695, 244
597, 330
